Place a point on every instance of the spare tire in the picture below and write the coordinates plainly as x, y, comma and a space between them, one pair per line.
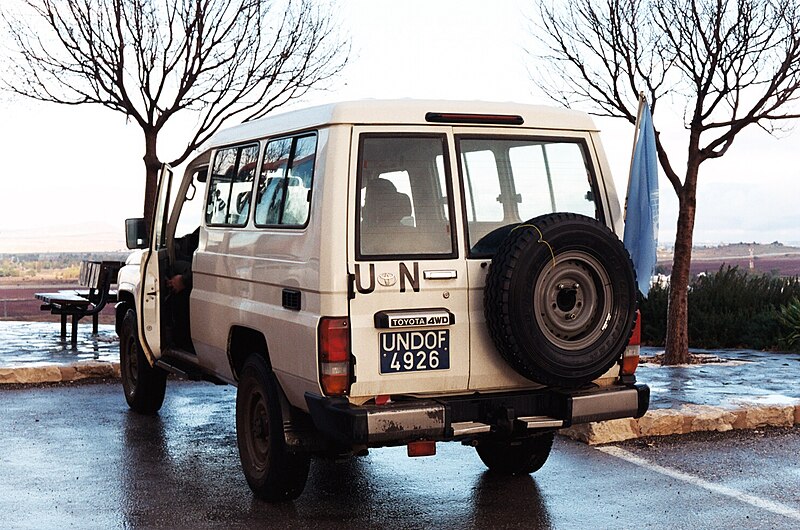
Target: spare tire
560, 299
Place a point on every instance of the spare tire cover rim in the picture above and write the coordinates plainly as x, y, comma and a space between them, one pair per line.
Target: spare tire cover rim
572, 300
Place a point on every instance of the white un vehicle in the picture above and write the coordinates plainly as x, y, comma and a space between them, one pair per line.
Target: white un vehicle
382, 273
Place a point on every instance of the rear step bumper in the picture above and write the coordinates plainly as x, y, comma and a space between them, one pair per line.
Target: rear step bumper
459, 417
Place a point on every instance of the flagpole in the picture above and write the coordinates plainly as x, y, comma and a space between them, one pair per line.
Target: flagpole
642, 102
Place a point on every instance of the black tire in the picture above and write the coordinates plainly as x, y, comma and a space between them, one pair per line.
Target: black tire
272, 471
560, 299
516, 457
144, 385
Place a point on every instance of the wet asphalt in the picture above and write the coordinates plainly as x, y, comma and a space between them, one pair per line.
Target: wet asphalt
75, 456
746, 378
29, 344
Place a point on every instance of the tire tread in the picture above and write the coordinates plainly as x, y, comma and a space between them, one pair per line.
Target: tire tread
497, 299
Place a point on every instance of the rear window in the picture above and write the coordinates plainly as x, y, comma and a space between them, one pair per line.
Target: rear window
510, 180
404, 208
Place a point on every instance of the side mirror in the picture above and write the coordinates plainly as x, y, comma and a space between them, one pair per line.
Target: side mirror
136, 234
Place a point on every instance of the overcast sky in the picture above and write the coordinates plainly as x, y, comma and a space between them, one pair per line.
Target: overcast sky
71, 175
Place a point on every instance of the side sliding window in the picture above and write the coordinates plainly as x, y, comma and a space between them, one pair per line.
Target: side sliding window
230, 186
283, 195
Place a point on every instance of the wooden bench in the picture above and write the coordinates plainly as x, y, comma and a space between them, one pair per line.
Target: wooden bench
96, 277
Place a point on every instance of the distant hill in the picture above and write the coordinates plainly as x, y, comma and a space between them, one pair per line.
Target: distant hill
774, 258
27, 267
82, 237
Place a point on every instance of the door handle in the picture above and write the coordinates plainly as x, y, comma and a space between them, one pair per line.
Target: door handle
440, 275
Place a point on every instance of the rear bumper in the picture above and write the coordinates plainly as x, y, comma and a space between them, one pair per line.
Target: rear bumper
461, 417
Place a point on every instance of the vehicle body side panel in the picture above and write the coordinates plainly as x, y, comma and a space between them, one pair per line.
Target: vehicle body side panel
240, 274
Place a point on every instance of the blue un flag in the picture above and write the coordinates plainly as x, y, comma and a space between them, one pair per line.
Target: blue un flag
641, 215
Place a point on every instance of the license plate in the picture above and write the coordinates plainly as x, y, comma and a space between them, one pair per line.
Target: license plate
414, 351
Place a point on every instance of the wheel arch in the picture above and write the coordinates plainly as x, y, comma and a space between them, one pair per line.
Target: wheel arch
242, 342
125, 301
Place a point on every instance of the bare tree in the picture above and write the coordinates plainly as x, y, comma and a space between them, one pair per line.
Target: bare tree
151, 59
731, 64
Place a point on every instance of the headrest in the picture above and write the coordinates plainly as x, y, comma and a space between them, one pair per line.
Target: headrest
384, 204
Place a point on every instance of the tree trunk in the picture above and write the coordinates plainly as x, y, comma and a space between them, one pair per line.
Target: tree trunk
152, 167
677, 344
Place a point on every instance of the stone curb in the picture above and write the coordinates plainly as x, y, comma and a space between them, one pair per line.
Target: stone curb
59, 373
686, 419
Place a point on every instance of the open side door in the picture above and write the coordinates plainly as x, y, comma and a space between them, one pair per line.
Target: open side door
153, 261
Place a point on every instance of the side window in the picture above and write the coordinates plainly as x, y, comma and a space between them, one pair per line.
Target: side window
284, 186
191, 212
270, 183
404, 208
231, 184
300, 171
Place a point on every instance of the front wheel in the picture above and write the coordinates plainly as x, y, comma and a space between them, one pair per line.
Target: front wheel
272, 471
516, 457
144, 385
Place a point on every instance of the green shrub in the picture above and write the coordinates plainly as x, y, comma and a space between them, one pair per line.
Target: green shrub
654, 315
727, 309
790, 320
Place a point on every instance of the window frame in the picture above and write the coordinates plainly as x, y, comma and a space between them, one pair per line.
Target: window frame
580, 141
443, 137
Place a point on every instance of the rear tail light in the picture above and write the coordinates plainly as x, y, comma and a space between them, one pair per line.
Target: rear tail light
334, 355
630, 359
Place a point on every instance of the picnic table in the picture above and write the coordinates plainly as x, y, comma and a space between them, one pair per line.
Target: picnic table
96, 277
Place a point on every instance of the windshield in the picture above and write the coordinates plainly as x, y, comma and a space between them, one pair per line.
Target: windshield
507, 181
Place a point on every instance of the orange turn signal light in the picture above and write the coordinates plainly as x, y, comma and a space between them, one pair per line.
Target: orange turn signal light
422, 448
630, 360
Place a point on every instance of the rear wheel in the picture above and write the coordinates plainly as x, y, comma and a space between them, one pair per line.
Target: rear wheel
272, 471
144, 385
516, 457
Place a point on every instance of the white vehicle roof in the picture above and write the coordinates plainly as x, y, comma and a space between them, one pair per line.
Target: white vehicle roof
400, 112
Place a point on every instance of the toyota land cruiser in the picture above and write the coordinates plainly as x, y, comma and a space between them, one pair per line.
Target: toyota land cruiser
382, 273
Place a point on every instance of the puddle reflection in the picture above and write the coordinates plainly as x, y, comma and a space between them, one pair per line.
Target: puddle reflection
26, 343
497, 497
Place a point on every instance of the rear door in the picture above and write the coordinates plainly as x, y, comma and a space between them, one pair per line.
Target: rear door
154, 262
408, 310
508, 177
